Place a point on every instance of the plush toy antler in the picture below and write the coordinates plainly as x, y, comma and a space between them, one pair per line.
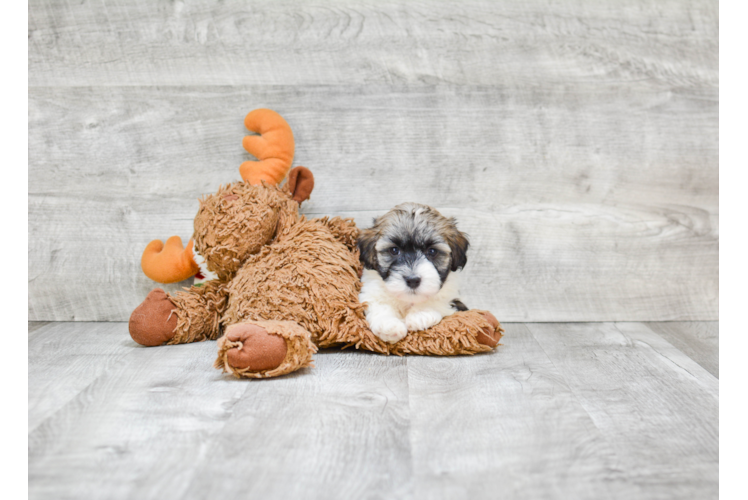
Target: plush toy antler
274, 149
169, 263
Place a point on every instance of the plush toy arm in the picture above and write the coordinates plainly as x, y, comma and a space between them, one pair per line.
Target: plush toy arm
344, 230
199, 311
189, 316
464, 332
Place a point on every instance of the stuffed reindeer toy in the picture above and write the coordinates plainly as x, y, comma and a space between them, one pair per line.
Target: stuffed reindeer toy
271, 285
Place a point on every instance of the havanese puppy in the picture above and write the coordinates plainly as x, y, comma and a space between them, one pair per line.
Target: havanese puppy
410, 257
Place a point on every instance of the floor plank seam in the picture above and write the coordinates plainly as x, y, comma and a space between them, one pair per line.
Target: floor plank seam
674, 347
213, 435
601, 432
74, 398
411, 446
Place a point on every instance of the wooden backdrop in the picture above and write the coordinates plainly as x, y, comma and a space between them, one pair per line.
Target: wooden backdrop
575, 141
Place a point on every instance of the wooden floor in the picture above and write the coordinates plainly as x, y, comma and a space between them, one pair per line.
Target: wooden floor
560, 410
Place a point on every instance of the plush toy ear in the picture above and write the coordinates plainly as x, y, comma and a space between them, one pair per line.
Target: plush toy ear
367, 243
458, 244
300, 183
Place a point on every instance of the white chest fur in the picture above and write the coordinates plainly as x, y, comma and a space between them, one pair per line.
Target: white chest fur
391, 318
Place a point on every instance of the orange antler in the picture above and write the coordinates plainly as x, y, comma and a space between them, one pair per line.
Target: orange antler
170, 263
274, 148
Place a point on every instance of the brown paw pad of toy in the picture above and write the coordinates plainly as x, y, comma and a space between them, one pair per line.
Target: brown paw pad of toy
262, 349
490, 336
254, 348
153, 322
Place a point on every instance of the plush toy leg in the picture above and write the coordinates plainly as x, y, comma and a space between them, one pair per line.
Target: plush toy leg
466, 332
189, 316
263, 349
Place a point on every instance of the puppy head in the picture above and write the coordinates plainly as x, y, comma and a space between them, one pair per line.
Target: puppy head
413, 248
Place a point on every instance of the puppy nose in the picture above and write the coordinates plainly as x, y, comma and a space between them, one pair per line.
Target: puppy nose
413, 282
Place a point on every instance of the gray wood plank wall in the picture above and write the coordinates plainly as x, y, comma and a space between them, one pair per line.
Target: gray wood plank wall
576, 142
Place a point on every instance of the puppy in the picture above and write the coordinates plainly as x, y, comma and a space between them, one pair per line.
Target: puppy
410, 257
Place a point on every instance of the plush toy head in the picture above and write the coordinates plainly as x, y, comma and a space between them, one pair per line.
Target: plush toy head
240, 218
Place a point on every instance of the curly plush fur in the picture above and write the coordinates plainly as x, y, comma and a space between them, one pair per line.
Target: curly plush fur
291, 277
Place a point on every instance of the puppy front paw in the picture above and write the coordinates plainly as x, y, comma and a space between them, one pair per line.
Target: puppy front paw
388, 329
420, 320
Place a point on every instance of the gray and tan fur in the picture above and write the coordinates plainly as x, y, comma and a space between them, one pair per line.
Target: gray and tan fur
410, 256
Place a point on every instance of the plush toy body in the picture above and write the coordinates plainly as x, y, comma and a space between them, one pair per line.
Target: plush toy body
280, 285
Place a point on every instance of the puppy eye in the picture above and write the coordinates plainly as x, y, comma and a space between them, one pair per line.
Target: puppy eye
395, 251
431, 252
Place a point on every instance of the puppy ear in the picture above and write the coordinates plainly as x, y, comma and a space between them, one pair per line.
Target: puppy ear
458, 244
367, 242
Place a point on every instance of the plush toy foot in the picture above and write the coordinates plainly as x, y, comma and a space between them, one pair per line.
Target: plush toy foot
261, 349
153, 323
490, 336
254, 348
